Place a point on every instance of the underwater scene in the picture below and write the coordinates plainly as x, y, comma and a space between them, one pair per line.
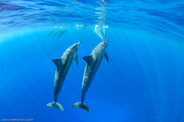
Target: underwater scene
92, 60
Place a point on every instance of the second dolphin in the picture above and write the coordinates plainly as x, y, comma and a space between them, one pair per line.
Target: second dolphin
93, 63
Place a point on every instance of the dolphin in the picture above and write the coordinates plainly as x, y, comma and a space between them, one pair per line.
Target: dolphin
63, 64
93, 63
58, 31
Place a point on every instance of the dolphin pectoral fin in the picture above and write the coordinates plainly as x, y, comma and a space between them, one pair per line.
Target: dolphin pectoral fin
58, 62
77, 60
81, 105
106, 57
55, 105
88, 59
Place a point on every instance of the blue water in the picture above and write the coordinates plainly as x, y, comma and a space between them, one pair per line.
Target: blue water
142, 82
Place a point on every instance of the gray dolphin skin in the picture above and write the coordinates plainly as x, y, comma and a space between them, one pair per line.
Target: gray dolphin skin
93, 63
63, 64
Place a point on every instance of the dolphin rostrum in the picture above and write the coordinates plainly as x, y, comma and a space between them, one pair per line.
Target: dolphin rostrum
63, 64
93, 63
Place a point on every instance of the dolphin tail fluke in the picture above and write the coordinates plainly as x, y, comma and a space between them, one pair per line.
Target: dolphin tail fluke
81, 105
55, 105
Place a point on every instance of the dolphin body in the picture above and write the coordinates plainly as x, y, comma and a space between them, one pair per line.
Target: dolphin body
63, 64
93, 63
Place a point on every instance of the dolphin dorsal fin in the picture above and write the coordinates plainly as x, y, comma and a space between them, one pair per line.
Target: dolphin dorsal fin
106, 57
88, 59
58, 62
